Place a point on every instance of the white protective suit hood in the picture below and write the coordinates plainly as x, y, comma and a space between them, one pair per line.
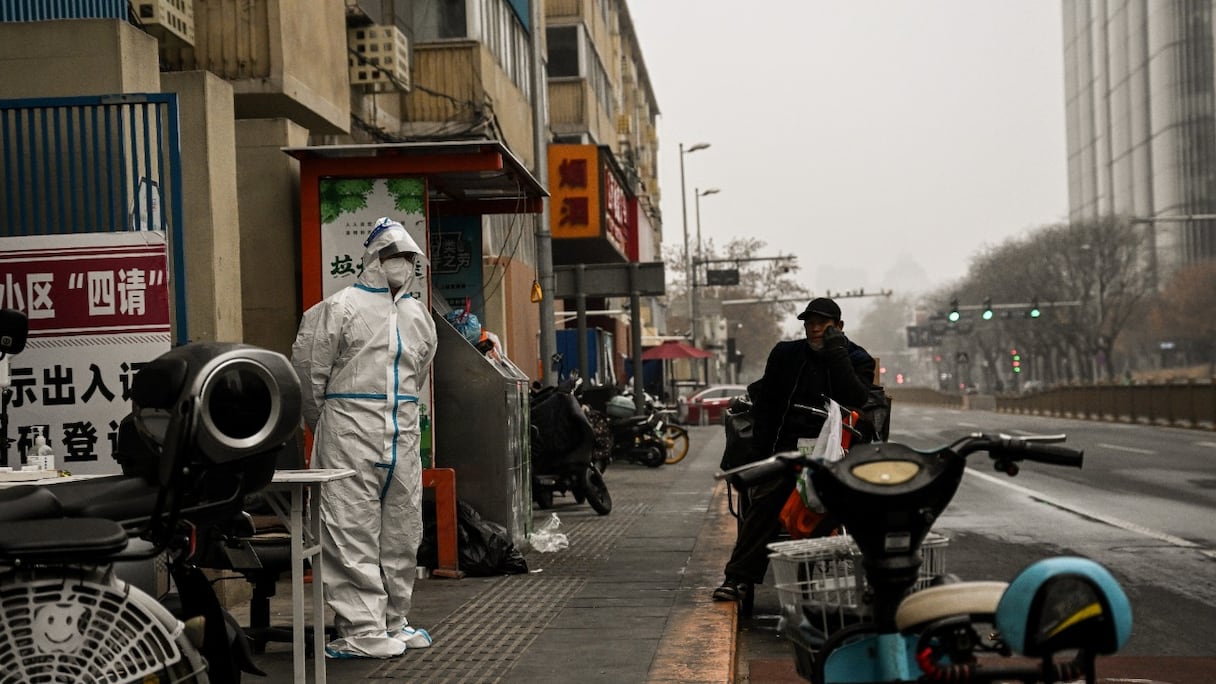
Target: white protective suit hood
389, 238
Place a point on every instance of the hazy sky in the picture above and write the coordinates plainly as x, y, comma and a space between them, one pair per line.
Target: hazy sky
859, 135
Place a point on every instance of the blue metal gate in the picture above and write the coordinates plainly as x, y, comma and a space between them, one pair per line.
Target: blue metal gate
95, 164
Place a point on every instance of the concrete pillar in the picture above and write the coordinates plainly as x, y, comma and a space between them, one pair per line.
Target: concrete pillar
209, 200
268, 185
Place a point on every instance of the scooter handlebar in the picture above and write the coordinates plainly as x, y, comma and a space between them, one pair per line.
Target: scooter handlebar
1055, 455
1005, 449
752, 474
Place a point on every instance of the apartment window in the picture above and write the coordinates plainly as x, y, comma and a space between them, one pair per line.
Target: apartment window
438, 19
494, 23
504, 35
563, 50
571, 55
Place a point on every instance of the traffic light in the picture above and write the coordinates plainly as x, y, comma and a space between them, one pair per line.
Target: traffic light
1034, 308
954, 315
987, 315
1016, 360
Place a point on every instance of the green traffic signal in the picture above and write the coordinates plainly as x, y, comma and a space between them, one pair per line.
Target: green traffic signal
1034, 309
954, 315
987, 315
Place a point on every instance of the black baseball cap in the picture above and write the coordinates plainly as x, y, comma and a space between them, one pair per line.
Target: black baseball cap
821, 306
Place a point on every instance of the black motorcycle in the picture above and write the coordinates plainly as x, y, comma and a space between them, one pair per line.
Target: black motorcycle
563, 443
207, 423
622, 435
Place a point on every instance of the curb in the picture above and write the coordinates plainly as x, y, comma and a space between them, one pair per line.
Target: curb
698, 645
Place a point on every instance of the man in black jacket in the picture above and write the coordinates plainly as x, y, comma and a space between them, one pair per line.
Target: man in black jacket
807, 372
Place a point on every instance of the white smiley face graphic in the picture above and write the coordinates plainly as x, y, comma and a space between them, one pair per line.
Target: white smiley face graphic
57, 628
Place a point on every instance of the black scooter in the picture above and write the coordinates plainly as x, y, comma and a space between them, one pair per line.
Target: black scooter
1047, 625
621, 434
207, 423
563, 443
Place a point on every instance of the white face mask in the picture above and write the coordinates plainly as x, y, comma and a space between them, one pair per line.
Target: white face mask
398, 270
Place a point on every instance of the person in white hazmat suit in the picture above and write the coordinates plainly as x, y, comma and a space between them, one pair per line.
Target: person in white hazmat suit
362, 354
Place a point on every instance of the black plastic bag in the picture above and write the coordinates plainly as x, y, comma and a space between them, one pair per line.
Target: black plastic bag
485, 547
877, 412
740, 443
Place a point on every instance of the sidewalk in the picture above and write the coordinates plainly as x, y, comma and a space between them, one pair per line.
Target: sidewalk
628, 601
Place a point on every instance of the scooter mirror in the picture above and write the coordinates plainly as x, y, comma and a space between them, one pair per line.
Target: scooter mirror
14, 328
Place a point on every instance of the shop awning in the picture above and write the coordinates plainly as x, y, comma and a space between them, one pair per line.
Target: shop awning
464, 177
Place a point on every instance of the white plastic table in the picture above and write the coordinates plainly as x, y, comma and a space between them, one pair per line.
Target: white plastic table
285, 495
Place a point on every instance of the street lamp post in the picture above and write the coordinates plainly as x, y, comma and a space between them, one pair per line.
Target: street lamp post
684, 215
696, 306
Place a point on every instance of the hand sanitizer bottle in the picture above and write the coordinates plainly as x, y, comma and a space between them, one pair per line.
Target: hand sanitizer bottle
42, 457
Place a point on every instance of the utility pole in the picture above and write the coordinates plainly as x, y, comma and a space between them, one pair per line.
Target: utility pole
696, 313
544, 238
688, 268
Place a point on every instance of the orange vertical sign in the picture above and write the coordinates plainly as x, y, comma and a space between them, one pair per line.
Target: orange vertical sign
574, 187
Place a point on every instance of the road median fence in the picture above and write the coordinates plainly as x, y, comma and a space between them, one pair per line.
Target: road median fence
1189, 404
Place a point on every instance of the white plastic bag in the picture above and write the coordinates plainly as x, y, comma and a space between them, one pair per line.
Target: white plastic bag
827, 450
547, 538
827, 445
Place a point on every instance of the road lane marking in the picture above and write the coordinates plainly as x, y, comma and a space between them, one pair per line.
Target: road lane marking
1133, 450
1107, 519
1206, 444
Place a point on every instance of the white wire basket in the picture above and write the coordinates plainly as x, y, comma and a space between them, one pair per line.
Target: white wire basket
823, 580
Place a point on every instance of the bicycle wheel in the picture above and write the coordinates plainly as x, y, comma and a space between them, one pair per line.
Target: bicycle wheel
676, 438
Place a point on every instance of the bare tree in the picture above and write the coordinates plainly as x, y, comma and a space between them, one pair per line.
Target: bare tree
1185, 311
1101, 264
1088, 276
755, 326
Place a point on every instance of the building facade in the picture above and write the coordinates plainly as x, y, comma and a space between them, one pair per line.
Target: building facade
1140, 87
296, 73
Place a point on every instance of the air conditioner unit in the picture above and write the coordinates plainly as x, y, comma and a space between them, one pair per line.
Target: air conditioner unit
380, 58
171, 21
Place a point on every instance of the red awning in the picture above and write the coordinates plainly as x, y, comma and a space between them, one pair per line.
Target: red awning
674, 349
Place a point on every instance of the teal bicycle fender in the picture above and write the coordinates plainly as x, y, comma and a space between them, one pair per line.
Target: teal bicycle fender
875, 658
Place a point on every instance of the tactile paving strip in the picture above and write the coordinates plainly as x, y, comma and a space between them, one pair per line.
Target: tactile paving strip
481, 640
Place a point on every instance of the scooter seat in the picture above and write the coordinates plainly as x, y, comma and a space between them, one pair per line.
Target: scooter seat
935, 603
62, 540
117, 497
630, 421
28, 502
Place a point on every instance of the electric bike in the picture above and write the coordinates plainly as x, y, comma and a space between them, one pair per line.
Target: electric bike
1048, 624
562, 448
206, 424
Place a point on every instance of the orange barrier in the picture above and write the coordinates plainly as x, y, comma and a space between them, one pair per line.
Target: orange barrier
443, 481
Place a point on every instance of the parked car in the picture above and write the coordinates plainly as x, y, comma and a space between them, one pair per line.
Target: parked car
706, 406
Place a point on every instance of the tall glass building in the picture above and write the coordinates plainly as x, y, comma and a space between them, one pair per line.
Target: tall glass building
1141, 107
